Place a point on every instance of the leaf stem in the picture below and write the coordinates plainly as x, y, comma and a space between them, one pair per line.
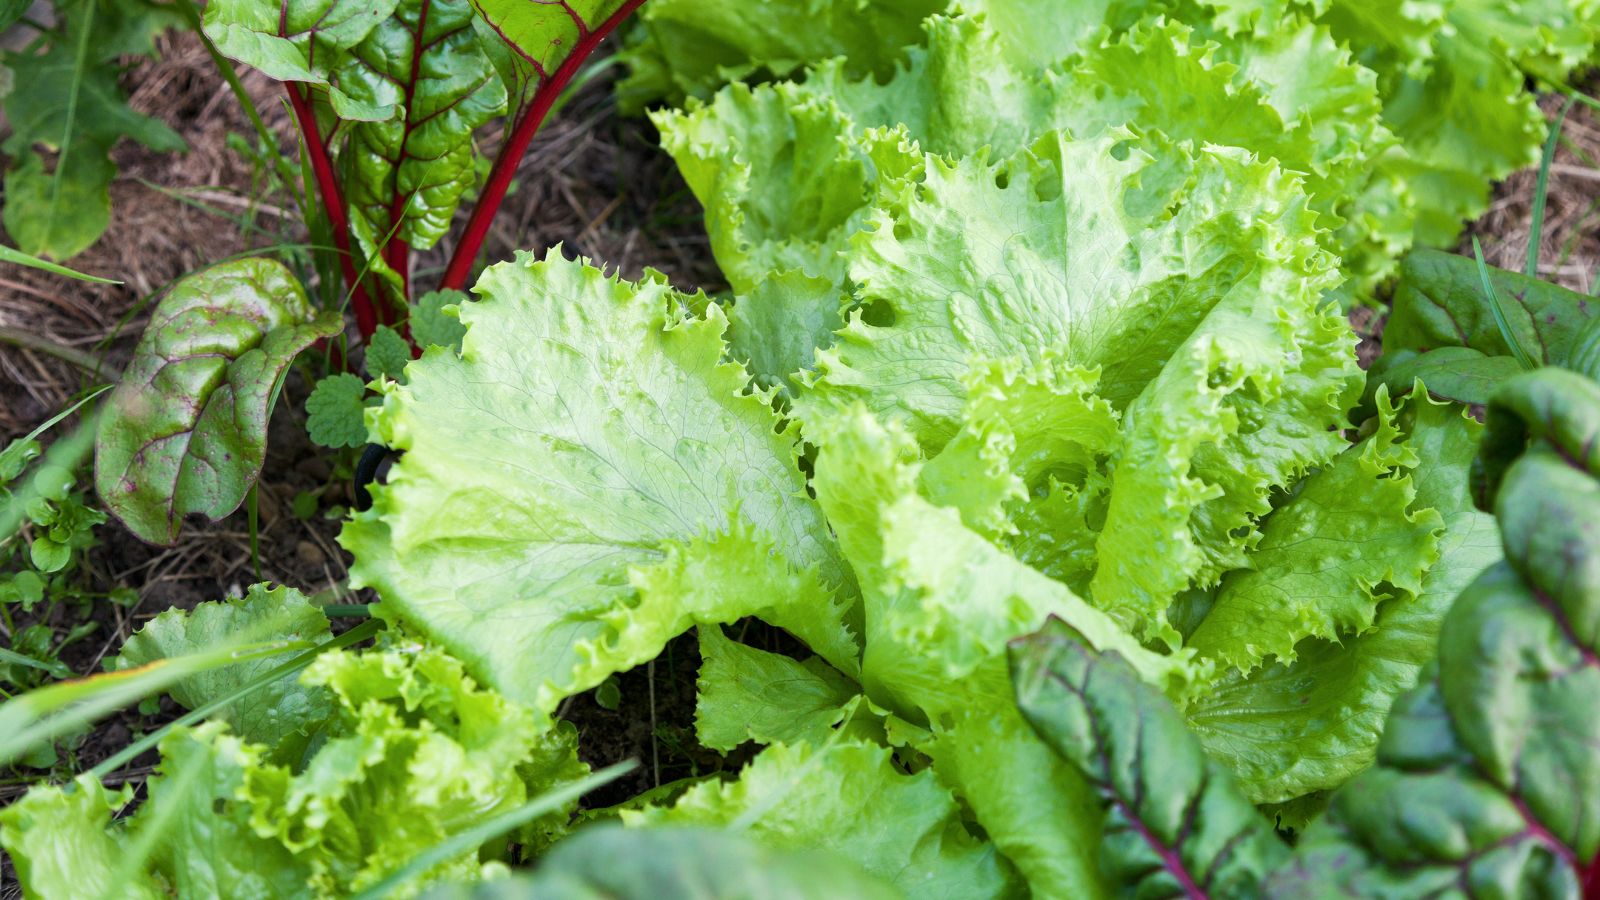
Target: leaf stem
85, 361
333, 204
511, 152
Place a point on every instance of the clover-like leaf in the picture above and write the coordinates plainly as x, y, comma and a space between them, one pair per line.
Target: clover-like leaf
387, 354
335, 411
186, 429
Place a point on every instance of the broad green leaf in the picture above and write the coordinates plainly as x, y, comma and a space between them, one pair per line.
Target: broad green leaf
307, 43
545, 34
1289, 728
186, 429
67, 101
812, 798
1351, 538
610, 451
607, 861
746, 694
336, 411
406, 172
1175, 824
1457, 374
285, 716
1488, 772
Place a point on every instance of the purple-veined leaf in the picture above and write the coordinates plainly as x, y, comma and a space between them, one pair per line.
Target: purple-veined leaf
186, 429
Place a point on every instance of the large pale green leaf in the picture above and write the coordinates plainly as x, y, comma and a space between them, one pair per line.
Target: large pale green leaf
585, 480
285, 715
813, 798
66, 100
1290, 728
610, 861
62, 846
186, 429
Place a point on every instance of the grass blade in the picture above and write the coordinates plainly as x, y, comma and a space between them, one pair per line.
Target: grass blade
13, 255
472, 838
1541, 193
1500, 320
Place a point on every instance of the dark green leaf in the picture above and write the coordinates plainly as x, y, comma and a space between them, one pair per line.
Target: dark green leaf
186, 429
1461, 374
1440, 302
335, 414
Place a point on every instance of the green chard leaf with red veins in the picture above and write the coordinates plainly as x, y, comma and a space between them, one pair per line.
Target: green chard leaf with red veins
304, 42
185, 431
406, 173
621, 486
1175, 824
66, 112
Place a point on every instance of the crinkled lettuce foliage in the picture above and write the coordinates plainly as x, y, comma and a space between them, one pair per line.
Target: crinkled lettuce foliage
406, 750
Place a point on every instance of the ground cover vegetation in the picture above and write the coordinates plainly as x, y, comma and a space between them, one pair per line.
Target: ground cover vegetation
1031, 421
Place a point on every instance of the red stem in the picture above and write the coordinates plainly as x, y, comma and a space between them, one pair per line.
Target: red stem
511, 152
333, 204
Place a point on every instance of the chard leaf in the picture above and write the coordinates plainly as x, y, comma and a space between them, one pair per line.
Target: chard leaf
1175, 824
186, 428
407, 171
1439, 303
67, 101
284, 716
1289, 728
811, 798
1458, 374
746, 694
607, 861
545, 34
1351, 538
604, 478
305, 42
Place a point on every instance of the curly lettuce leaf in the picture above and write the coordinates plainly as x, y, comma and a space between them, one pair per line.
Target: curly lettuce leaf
285, 716
415, 752
63, 843
587, 427
1351, 538
812, 797
1288, 729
